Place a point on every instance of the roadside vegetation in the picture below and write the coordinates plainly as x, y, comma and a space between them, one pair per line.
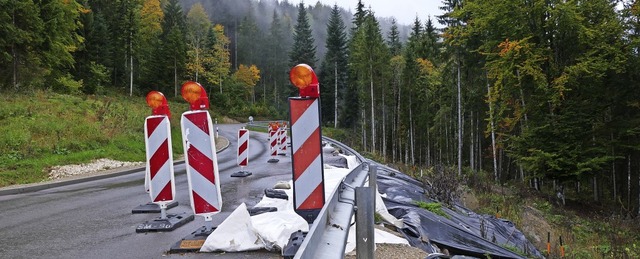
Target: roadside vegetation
588, 229
44, 129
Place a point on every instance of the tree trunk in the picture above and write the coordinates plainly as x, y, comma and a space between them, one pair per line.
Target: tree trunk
613, 172
411, 139
14, 55
459, 124
364, 130
384, 129
175, 76
131, 64
373, 121
524, 107
472, 143
595, 188
493, 135
629, 181
335, 94
479, 142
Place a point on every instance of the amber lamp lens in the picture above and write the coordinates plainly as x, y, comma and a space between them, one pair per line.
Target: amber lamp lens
301, 76
191, 91
155, 99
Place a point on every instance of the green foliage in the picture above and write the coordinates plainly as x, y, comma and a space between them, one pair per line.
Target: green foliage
303, 49
434, 207
333, 71
66, 84
45, 129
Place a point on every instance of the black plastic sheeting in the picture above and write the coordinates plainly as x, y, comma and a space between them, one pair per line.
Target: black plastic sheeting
460, 233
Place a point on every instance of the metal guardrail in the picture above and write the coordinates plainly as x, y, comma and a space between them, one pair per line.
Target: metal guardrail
328, 234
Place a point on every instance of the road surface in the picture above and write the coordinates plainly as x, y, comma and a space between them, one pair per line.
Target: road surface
93, 219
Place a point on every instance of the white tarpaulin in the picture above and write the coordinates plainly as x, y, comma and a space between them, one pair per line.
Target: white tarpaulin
234, 234
275, 228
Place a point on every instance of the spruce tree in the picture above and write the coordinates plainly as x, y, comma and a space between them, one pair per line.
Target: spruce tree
304, 49
174, 47
333, 72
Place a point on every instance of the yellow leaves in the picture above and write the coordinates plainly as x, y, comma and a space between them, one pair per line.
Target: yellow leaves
248, 75
425, 66
507, 47
151, 17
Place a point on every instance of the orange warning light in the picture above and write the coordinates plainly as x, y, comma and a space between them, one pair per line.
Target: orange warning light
303, 77
158, 103
194, 94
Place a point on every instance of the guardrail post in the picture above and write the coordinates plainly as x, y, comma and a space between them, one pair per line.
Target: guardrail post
373, 183
365, 242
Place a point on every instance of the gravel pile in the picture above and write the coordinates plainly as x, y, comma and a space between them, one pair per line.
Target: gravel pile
103, 164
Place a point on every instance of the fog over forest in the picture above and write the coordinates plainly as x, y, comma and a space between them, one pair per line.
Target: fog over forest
231, 13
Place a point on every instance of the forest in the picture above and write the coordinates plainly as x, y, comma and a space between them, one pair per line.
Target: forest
537, 92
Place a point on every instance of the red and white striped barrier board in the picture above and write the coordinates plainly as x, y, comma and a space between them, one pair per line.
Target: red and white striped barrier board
273, 140
306, 148
243, 147
161, 183
201, 162
280, 141
284, 139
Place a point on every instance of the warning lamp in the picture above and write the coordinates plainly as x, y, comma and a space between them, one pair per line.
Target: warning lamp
158, 103
303, 77
194, 94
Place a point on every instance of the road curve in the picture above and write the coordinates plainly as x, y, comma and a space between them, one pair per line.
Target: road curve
93, 219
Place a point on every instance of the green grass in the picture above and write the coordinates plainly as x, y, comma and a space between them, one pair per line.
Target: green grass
434, 207
45, 129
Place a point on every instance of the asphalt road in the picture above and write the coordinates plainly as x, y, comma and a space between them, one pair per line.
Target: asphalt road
93, 219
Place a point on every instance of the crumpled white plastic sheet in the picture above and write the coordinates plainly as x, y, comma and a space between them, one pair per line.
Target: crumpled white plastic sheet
275, 228
234, 234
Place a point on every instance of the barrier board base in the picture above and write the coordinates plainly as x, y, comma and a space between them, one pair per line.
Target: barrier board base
309, 215
193, 242
152, 207
259, 210
295, 240
241, 174
273, 160
172, 222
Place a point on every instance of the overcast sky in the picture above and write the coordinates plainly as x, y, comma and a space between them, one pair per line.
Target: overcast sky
404, 11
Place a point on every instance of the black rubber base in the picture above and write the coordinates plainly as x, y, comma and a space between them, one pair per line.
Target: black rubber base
259, 210
172, 222
295, 240
193, 242
241, 174
152, 207
276, 194
273, 160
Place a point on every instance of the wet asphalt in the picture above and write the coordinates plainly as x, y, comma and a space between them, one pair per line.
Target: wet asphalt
93, 218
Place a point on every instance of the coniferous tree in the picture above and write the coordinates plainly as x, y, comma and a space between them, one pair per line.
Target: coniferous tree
349, 115
151, 16
303, 50
333, 72
174, 47
21, 27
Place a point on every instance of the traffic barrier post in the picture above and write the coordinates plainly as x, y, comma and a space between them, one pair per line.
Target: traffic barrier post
273, 142
159, 173
243, 153
306, 144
